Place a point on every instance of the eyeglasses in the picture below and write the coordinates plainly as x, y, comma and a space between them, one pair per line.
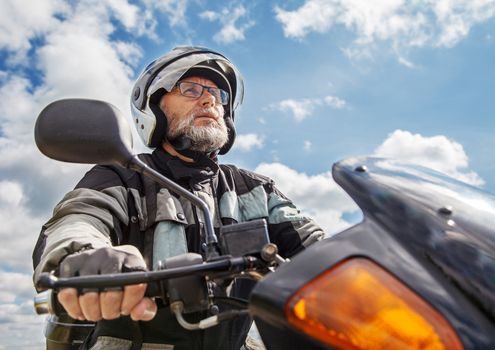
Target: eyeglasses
195, 90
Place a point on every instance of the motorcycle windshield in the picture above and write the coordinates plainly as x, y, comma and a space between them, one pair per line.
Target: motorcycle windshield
451, 222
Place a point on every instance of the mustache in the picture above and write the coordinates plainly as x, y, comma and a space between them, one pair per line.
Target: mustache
188, 121
208, 111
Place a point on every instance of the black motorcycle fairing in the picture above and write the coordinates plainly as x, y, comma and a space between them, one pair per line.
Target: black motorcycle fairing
450, 222
402, 234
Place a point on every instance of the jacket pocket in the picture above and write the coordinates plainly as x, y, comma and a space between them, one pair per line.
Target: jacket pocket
169, 237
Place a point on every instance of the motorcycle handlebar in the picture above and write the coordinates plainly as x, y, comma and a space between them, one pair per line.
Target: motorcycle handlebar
49, 281
44, 300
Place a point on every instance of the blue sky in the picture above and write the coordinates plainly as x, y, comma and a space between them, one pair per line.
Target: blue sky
325, 80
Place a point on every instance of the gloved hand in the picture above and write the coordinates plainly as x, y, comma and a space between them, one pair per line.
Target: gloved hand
93, 305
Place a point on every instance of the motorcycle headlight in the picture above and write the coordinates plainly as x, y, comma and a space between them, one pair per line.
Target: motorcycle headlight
359, 305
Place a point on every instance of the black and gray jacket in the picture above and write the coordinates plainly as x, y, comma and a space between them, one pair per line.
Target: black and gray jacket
114, 206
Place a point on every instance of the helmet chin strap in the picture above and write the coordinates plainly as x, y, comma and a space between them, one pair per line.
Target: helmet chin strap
182, 144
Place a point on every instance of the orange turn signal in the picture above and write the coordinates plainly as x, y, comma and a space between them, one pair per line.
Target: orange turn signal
359, 305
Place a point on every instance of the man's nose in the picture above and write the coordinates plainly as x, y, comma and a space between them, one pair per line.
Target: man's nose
207, 99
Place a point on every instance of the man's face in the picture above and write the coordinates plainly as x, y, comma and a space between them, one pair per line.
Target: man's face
199, 119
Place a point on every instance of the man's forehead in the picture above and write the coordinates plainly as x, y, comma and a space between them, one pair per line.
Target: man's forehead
200, 80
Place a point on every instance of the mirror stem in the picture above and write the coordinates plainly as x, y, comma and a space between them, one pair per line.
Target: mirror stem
211, 238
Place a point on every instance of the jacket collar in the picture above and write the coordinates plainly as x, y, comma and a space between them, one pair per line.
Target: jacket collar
204, 168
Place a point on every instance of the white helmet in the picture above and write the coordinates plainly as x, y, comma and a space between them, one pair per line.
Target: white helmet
161, 75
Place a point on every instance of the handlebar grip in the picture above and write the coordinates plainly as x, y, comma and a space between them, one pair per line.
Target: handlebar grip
46, 302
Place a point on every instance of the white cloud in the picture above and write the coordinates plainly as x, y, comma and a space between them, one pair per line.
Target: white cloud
303, 108
17, 109
19, 227
125, 13
358, 53
246, 142
313, 15
15, 286
231, 30
174, 9
456, 17
318, 195
436, 152
77, 59
22, 20
92, 69
307, 145
130, 53
403, 23
300, 109
334, 102
17, 317
20, 327
209, 15
406, 62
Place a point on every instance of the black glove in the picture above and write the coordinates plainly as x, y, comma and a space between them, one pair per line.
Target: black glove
125, 258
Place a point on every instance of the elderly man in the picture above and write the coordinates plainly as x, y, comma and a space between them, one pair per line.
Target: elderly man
116, 221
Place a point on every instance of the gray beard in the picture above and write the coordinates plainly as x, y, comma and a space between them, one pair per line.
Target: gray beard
205, 139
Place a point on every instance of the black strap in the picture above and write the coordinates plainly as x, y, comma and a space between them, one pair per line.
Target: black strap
131, 233
142, 240
137, 335
150, 189
39, 248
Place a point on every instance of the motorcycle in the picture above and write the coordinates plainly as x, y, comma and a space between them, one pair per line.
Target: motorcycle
418, 272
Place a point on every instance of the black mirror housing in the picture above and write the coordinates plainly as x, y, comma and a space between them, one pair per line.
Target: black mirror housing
84, 131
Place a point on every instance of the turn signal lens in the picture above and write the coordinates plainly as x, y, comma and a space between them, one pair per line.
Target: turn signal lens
359, 305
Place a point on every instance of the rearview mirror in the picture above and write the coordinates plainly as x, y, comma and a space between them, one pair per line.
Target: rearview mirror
84, 131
